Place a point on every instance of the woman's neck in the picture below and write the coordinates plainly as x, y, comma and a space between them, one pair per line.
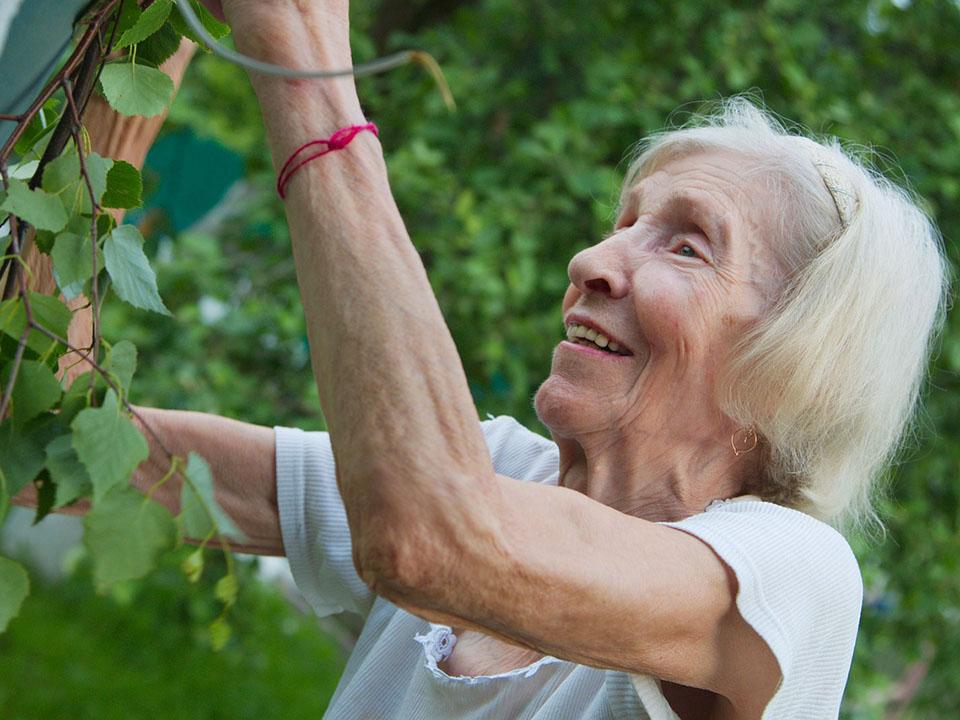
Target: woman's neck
653, 480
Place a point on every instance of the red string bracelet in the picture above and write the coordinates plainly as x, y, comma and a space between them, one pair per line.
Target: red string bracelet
339, 140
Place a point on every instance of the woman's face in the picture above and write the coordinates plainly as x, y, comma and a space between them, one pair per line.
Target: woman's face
687, 269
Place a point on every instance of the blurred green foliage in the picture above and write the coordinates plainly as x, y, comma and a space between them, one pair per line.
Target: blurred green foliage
501, 194
142, 652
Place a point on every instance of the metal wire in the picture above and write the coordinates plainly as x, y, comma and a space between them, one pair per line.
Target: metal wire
374, 66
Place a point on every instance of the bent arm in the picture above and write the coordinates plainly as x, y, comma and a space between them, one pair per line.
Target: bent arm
241, 457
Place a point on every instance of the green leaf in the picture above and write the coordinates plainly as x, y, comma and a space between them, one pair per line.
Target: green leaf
51, 313
133, 89
124, 186
73, 262
105, 222
150, 20
61, 172
108, 445
124, 534
66, 470
43, 239
36, 389
192, 565
220, 633
62, 177
122, 362
129, 14
21, 456
217, 29
159, 47
98, 168
14, 588
130, 271
47, 310
42, 123
76, 398
226, 589
40, 209
199, 509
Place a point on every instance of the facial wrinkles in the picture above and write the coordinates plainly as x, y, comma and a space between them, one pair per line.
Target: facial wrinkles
674, 197
685, 315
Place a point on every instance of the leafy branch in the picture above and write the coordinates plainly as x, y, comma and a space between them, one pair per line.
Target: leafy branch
78, 442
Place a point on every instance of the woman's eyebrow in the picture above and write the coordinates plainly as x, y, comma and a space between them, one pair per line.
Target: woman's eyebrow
716, 223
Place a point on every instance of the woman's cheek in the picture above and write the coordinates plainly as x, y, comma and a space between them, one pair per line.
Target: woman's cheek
665, 307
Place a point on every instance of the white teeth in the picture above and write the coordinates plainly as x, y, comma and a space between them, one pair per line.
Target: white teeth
575, 330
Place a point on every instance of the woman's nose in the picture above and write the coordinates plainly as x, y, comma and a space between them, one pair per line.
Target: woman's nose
599, 269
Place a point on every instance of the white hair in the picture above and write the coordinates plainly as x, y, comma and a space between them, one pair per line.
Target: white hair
830, 378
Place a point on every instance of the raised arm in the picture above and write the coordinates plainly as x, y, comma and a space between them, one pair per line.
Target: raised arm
241, 457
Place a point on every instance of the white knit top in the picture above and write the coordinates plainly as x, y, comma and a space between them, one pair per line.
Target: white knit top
799, 588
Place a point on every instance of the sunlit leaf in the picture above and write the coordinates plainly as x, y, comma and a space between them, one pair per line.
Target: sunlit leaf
133, 89
147, 24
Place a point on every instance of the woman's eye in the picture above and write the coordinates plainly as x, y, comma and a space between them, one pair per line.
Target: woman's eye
687, 251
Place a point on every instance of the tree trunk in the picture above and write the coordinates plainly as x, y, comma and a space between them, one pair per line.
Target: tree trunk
122, 138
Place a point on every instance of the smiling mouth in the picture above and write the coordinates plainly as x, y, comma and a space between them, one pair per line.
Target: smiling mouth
582, 335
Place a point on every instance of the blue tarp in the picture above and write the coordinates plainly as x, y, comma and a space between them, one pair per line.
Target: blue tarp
38, 37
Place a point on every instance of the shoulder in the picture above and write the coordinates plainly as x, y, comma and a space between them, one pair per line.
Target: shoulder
798, 585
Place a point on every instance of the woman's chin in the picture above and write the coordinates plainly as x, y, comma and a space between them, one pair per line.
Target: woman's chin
563, 407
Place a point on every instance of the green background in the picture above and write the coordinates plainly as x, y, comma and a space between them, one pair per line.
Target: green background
497, 198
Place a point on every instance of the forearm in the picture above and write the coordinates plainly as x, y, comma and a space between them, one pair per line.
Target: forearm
241, 458
402, 422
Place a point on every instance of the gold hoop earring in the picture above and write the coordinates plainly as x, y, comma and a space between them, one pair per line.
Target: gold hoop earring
743, 441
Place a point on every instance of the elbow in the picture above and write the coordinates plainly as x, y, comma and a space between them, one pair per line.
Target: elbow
394, 544
411, 547
395, 563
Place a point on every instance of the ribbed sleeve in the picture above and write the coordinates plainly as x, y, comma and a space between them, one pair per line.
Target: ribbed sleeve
800, 588
313, 522
314, 526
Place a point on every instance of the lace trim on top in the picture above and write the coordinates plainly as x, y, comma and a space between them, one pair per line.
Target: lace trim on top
438, 642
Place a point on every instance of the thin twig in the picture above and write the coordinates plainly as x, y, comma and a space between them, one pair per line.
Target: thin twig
95, 209
84, 355
8, 393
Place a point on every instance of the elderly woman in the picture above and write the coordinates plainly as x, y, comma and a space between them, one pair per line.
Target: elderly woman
742, 353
